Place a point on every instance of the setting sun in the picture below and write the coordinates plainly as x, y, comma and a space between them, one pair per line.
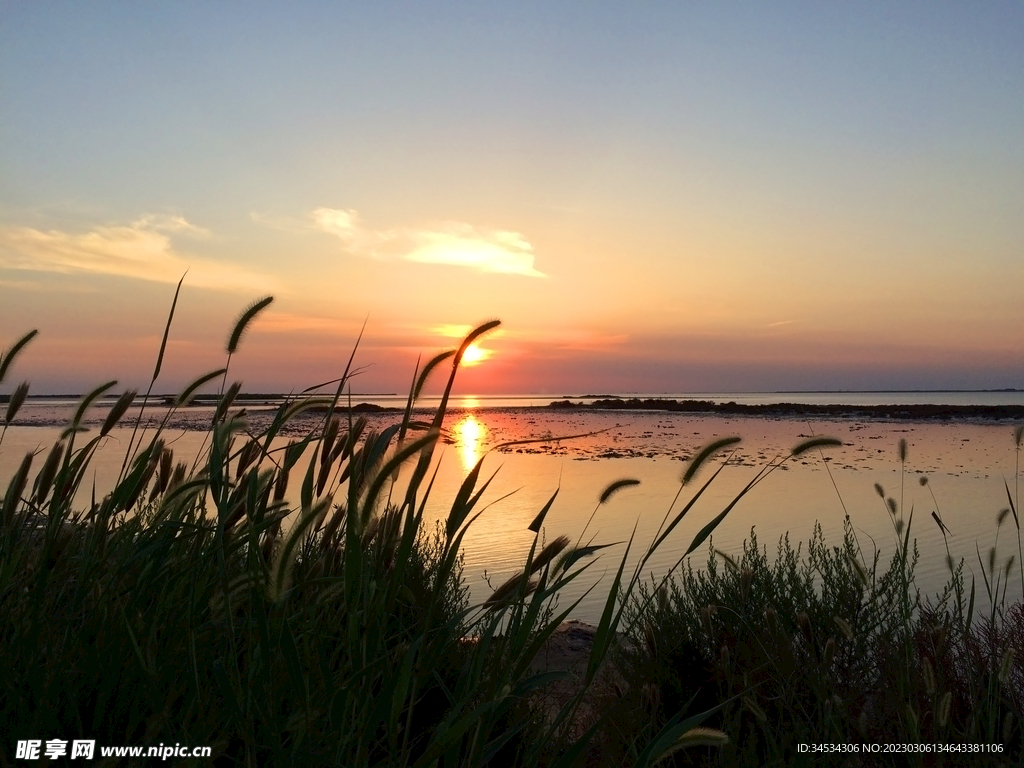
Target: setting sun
474, 355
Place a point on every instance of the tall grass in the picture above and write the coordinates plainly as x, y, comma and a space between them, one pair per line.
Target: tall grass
198, 605
286, 602
827, 645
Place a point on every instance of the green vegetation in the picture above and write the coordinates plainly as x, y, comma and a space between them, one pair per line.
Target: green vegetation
196, 605
830, 647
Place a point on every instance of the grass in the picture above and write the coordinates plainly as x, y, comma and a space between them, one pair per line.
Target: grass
196, 604
831, 645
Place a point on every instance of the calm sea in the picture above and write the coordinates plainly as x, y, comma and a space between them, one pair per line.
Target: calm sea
968, 465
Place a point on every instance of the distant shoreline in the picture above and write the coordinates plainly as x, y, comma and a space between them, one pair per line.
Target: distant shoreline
894, 411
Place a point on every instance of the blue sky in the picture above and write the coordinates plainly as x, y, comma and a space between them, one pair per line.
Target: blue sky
652, 197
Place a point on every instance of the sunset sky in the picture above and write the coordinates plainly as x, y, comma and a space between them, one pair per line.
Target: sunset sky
652, 197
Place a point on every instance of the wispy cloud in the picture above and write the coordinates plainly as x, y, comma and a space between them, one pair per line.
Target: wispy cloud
142, 250
166, 223
453, 243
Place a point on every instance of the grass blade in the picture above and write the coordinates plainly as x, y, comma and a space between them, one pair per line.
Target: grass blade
88, 400
538, 521
185, 397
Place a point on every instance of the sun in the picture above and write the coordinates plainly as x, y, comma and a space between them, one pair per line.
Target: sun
474, 355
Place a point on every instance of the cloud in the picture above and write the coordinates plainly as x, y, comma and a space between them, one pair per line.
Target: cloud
141, 250
164, 223
454, 243
452, 331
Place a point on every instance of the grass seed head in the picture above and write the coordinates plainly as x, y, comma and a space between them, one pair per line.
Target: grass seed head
804, 622
858, 569
830, 652
703, 737
730, 561
663, 598
247, 316
1005, 665
844, 627
945, 704
754, 709
549, 553
7, 358
650, 696
118, 410
650, 640
617, 486
929, 676
16, 401
770, 619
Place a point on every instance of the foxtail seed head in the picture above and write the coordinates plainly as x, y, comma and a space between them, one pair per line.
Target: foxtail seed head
830, 652
755, 710
1005, 664
844, 627
929, 676
945, 703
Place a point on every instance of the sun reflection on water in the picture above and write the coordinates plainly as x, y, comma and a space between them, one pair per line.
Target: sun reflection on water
469, 439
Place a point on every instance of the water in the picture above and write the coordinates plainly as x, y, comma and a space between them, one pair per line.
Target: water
56, 410
966, 464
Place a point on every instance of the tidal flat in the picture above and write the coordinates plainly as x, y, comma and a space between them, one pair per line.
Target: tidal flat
579, 451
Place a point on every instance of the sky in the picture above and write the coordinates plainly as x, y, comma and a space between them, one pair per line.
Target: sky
652, 197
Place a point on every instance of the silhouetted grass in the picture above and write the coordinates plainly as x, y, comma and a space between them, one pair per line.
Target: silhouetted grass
196, 605
830, 646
